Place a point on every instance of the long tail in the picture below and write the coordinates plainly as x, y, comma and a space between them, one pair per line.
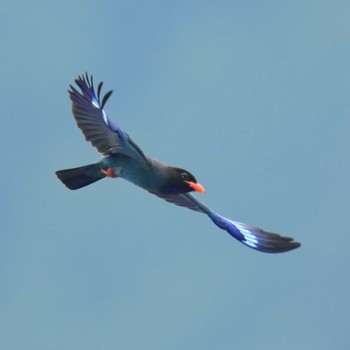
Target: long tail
80, 177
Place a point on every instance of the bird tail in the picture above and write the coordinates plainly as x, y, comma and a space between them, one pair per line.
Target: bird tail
76, 178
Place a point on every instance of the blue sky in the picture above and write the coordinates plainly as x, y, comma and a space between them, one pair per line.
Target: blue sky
252, 98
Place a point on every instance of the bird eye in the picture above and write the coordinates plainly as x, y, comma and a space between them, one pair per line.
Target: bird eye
185, 176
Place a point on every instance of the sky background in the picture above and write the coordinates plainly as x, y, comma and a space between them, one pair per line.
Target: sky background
250, 96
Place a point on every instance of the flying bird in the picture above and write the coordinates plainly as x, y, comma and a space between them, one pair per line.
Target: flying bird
123, 158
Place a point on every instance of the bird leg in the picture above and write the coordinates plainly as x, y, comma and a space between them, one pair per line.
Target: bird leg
109, 173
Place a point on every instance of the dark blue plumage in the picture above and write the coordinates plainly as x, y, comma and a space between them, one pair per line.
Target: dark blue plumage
124, 158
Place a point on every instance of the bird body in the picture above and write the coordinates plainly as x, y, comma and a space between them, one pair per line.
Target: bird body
153, 175
123, 158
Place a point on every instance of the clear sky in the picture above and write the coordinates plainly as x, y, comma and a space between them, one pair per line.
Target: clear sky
252, 97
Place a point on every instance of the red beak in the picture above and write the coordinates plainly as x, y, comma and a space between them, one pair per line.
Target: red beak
196, 186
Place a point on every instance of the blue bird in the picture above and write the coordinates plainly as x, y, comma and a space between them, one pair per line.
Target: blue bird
124, 158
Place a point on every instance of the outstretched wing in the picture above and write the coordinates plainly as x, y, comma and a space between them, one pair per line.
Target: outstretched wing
181, 199
87, 108
252, 237
97, 127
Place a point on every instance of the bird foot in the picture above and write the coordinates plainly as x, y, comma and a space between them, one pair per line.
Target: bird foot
109, 173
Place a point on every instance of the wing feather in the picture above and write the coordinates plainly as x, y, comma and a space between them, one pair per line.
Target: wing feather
181, 199
250, 236
91, 118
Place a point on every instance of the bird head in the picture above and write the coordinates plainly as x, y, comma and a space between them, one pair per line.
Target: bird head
182, 181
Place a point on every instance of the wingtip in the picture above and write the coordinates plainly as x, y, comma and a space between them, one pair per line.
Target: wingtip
254, 237
106, 97
272, 243
86, 84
